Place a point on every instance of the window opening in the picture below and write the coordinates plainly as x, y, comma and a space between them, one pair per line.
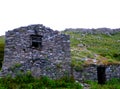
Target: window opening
36, 41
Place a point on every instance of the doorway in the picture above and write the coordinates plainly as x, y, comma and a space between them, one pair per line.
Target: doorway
101, 74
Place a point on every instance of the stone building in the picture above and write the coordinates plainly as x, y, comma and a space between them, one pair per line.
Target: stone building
39, 50
100, 73
36, 49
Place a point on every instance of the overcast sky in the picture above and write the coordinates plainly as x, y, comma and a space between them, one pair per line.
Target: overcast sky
59, 14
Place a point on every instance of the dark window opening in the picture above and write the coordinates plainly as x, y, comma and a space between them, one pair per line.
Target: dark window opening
36, 41
101, 74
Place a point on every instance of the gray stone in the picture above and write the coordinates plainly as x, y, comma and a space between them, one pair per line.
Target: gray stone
81, 45
46, 58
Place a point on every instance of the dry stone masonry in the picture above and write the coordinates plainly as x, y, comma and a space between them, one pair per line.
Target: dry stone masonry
39, 50
36, 49
96, 72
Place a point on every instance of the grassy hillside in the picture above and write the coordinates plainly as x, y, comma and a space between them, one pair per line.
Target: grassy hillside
94, 48
1, 49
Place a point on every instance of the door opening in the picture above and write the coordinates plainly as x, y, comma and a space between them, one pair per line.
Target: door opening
101, 74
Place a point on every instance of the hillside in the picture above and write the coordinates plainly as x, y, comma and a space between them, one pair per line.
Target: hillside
94, 46
1, 49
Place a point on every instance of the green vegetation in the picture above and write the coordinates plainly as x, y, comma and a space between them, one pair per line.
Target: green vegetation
103, 48
28, 82
111, 84
1, 49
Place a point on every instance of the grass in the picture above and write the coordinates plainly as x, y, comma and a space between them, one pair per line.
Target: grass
28, 82
1, 49
103, 48
111, 84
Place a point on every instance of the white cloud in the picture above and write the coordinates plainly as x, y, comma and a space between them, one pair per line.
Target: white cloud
59, 14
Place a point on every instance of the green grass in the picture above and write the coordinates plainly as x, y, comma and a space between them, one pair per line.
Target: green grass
111, 84
104, 46
28, 82
1, 49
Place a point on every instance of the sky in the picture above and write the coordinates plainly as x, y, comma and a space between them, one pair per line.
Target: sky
59, 14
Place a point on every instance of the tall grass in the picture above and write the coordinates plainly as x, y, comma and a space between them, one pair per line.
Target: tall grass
28, 82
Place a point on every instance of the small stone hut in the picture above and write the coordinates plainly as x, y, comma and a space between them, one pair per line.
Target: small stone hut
100, 73
36, 49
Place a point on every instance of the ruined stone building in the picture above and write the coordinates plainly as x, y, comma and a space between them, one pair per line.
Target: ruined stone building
39, 50
36, 49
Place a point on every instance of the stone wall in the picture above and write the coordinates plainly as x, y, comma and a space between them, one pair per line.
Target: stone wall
86, 73
113, 71
106, 31
90, 72
52, 59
